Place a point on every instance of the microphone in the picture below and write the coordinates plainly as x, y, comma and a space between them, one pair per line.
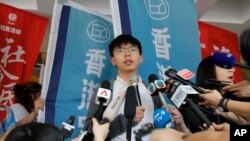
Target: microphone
134, 82
68, 128
182, 94
156, 87
216, 83
226, 60
162, 119
130, 109
112, 109
172, 73
102, 98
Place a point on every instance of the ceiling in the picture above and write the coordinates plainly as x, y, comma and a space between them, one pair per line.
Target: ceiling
232, 15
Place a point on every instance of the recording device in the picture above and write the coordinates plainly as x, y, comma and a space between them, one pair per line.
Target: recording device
134, 82
216, 83
68, 128
162, 119
130, 109
143, 133
102, 98
172, 73
112, 109
184, 94
226, 60
156, 87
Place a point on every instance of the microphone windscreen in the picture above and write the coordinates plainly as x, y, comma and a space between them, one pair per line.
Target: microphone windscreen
161, 118
114, 106
105, 84
223, 60
71, 120
152, 78
171, 73
133, 80
130, 102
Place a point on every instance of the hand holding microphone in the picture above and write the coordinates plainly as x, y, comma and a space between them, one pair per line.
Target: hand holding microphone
100, 130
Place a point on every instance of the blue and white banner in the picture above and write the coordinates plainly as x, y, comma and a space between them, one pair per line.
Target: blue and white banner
167, 29
77, 62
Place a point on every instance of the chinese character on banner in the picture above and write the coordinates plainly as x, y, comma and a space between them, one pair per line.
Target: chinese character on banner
216, 39
19, 47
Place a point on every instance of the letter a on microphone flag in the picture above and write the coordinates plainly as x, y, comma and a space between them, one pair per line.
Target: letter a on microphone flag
21, 36
167, 29
77, 62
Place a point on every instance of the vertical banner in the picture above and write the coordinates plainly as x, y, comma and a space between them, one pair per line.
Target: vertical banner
21, 36
217, 39
167, 29
78, 61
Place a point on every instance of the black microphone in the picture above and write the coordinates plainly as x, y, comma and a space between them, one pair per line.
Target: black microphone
156, 87
183, 94
216, 83
68, 128
134, 82
130, 109
172, 73
102, 98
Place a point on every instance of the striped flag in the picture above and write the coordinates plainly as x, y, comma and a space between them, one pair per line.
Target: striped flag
77, 62
167, 29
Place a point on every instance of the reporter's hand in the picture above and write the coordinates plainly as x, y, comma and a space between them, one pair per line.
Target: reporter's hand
177, 116
139, 113
241, 89
38, 104
100, 131
221, 127
211, 98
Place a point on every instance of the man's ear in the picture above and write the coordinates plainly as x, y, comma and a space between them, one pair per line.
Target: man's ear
112, 61
141, 59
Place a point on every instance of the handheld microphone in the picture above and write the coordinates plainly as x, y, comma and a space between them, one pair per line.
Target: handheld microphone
130, 109
226, 60
68, 128
112, 109
172, 73
162, 119
182, 94
156, 87
134, 82
102, 98
216, 83
103, 93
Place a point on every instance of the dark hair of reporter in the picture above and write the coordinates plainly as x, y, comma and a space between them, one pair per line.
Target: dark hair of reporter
27, 93
35, 132
206, 70
245, 45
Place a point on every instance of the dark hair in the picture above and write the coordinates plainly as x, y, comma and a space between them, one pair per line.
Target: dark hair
123, 39
206, 70
245, 45
35, 132
24, 93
